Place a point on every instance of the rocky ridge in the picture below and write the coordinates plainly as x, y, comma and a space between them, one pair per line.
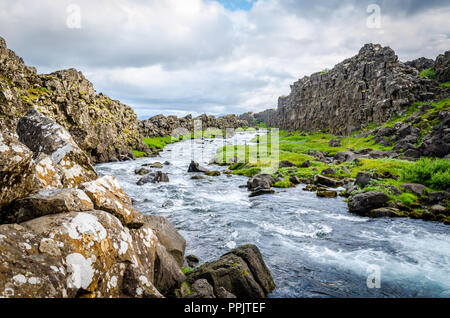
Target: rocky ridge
369, 88
160, 125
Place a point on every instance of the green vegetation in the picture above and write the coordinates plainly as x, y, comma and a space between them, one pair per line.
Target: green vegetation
429, 73
158, 142
139, 154
446, 84
432, 173
186, 270
325, 71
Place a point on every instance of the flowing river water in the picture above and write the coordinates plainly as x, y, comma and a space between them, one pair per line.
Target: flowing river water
313, 246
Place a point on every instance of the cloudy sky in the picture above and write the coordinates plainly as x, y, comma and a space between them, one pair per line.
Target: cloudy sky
213, 56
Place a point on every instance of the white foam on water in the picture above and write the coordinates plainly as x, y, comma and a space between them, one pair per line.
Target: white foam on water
310, 230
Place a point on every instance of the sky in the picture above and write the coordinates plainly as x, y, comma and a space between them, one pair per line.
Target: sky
179, 57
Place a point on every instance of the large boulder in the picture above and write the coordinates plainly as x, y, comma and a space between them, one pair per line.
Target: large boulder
416, 188
260, 181
327, 181
76, 254
241, 272
363, 179
168, 236
168, 274
363, 203
107, 195
16, 166
46, 202
44, 136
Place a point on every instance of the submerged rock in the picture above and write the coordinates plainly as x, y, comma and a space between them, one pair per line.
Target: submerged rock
327, 194
195, 167
155, 177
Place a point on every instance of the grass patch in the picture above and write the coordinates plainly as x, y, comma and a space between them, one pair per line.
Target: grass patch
158, 142
446, 84
428, 73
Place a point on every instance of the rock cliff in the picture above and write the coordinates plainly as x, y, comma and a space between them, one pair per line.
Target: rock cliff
371, 87
104, 128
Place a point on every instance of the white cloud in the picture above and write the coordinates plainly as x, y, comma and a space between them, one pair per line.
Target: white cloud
194, 56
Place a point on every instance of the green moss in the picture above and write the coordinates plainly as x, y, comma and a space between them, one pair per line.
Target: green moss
139, 154
158, 142
283, 184
325, 71
407, 198
186, 270
429, 73
446, 84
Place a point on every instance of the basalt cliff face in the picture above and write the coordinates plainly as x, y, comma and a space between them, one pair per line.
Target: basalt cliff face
371, 87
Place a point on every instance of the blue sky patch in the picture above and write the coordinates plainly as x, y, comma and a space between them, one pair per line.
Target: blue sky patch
234, 5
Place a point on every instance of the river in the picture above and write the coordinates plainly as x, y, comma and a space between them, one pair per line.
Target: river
313, 246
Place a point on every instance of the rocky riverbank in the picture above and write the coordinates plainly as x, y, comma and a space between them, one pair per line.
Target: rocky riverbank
67, 233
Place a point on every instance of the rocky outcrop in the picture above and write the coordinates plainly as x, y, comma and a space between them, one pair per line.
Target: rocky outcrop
103, 128
48, 158
241, 272
421, 63
442, 67
371, 87
161, 125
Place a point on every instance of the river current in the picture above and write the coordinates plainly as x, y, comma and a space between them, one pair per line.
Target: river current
313, 246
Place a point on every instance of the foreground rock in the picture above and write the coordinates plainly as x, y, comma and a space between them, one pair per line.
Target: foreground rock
260, 181
107, 195
168, 236
29, 167
76, 254
363, 203
46, 202
241, 272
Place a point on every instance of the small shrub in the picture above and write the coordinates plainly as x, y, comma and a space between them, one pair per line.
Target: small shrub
434, 173
429, 73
